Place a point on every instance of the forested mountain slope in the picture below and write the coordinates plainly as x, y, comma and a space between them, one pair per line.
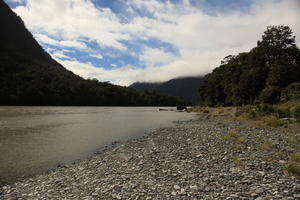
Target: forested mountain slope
186, 88
29, 76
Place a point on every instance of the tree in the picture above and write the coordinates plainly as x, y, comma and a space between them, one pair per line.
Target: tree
283, 72
257, 76
276, 41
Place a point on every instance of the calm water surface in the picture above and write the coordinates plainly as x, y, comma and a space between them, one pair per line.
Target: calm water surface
35, 139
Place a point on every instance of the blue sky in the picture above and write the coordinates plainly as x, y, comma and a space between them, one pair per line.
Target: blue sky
123, 41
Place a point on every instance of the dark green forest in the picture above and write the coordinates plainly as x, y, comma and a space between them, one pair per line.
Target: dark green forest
269, 73
29, 76
30, 82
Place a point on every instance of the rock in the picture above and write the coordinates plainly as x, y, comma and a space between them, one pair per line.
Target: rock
94, 194
176, 187
297, 196
116, 196
194, 187
190, 160
259, 198
234, 196
283, 162
254, 195
259, 190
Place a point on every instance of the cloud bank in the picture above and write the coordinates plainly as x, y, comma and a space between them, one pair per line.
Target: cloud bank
151, 40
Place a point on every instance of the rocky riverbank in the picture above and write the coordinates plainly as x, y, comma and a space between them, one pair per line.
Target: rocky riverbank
208, 158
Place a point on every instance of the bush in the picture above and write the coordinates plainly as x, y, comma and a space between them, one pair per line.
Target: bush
243, 109
283, 112
266, 109
253, 114
292, 92
293, 164
270, 95
295, 111
272, 120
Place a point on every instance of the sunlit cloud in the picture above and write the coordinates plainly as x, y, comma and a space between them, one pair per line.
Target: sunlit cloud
150, 40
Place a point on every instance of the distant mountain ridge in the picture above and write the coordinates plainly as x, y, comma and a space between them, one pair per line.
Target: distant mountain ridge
185, 87
29, 76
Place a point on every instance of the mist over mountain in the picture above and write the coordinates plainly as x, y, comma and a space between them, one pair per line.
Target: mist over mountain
186, 87
29, 76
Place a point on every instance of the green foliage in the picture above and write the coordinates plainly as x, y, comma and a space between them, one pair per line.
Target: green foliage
25, 81
295, 111
259, 76
42, 84
265, 114
293, 164
276, 41
270, 94
292, 92
283, 112
248, 111
267, 145
265, 109
234, 136
238, 162
29, 76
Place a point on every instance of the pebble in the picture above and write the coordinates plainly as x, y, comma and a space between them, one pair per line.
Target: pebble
190, 160
176, 187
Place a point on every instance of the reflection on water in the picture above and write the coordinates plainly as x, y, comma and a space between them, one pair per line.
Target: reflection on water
34, 139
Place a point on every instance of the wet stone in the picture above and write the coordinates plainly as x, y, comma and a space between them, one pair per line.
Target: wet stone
190, 160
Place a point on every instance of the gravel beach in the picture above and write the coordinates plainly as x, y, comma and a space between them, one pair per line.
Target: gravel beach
206, 158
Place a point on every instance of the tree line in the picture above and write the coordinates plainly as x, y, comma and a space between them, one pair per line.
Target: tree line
268, 73
25, 81
29, 76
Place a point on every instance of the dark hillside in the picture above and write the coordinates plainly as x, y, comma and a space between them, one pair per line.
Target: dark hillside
29, 76
15, 37
186, 88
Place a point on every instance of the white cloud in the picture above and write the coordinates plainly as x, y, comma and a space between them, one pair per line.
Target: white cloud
99, 56
73, 19
73, 44
59, 54
64, 43
121, 76
17, 1
45, 39
155, 56
202, 40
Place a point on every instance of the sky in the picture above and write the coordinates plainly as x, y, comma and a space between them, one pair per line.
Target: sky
124, 41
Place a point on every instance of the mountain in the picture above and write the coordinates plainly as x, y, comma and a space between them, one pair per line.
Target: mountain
186, 88
15, 38
29, 76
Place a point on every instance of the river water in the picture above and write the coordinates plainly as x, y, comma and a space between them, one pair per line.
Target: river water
36, 139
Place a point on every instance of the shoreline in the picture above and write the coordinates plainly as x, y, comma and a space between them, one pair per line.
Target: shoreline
67, 164
189, 160
68, 135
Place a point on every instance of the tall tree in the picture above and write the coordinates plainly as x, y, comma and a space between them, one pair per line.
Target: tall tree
257, 76
277, 41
